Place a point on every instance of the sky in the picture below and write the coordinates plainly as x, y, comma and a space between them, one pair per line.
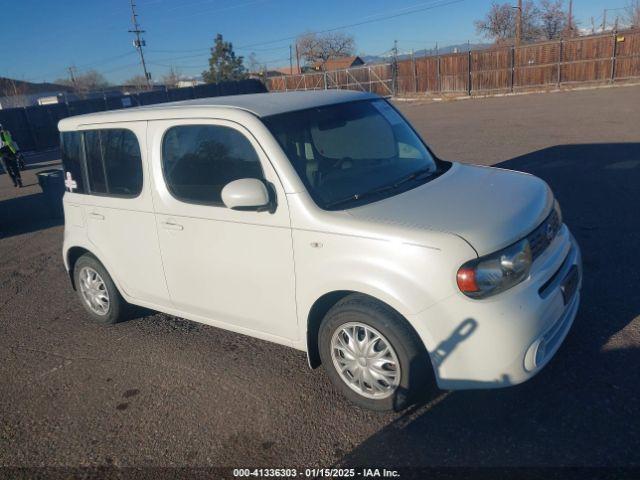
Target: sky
42, 38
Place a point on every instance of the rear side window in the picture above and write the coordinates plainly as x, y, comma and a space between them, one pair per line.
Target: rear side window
114, 163
95, 166
71, 145
199, 160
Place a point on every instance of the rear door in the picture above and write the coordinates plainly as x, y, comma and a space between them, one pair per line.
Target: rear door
119, 210
229, 267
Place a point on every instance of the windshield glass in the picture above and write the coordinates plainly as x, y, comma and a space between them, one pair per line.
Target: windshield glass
351, 153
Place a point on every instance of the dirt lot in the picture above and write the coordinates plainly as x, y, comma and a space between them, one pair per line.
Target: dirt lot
159, 390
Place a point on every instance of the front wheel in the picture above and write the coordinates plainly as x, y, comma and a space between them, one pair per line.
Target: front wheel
372, 354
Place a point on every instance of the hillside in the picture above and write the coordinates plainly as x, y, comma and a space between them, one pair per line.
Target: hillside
10, 87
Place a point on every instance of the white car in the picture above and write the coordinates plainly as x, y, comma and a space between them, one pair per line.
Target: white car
321, 221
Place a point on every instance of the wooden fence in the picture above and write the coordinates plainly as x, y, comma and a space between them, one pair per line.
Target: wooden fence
593, 59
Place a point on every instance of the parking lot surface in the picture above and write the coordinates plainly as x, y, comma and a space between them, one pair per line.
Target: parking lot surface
163, 391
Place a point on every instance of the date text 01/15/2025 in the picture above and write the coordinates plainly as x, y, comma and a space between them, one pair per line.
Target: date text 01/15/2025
315, 473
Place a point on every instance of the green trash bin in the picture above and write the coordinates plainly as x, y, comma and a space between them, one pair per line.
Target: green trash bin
52, 183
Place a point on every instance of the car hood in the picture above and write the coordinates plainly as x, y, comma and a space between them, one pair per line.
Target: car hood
490, 208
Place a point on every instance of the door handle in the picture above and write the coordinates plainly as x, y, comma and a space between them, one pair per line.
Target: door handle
96, 216
172, 226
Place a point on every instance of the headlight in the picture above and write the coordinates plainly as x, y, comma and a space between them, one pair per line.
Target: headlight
495, 273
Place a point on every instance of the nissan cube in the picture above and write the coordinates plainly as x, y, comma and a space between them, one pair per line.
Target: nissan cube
322, 221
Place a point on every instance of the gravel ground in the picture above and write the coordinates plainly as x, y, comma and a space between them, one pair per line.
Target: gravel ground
163, 391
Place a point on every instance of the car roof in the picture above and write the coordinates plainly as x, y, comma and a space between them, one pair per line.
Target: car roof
259, 104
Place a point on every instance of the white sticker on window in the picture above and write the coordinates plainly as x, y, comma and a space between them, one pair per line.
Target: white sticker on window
70, 183
388, 112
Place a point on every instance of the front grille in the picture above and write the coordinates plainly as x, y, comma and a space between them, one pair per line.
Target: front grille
544, 234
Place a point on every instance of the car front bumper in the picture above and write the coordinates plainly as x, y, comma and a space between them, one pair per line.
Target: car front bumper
506, 339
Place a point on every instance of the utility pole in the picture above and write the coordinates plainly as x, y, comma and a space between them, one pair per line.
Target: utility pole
72, 76
519, 23
139, 42
570, 17
604, 20
297, 59
290, 60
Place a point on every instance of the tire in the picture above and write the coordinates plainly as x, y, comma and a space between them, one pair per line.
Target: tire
364, 317
116, 308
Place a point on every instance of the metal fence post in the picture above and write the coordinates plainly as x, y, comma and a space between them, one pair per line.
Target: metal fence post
394, 77
613, 58
513, 66
438, 79
469, 73
66, 105
559, 79
34, 138
415, 73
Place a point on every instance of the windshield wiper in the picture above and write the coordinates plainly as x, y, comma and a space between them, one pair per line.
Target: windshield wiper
384, 188
359, 196
413, 176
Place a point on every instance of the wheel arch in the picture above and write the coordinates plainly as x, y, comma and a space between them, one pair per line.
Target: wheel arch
72, 255
322, 306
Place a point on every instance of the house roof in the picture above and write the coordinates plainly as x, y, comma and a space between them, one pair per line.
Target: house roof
288, 70
259, 104
341, 62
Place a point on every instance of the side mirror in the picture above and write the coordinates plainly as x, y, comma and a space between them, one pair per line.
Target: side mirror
246, 194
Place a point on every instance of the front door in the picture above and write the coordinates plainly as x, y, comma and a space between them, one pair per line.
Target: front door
228, 267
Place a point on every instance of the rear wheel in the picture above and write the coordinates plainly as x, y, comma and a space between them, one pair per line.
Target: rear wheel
372, 354
98, 294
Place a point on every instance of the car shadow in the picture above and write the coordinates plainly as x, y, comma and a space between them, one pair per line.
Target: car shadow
583, 408
28, 213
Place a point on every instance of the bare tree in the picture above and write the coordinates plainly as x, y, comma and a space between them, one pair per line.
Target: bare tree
318, 48
172, 78
253, 64
137, 82
499, 23
553, 18
86, 82
632, 13
10, 87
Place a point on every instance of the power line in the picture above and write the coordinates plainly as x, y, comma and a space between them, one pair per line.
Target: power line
105, 60
357, 24
121, 67
206, 49
366, 20
139, 42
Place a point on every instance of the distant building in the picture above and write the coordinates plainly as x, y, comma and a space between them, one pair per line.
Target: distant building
48, 100
191, 82
18, 93
339, 63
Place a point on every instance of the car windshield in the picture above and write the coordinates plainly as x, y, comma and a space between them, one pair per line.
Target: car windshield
353, 153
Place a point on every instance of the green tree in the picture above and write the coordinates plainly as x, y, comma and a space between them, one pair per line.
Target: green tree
223, 63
